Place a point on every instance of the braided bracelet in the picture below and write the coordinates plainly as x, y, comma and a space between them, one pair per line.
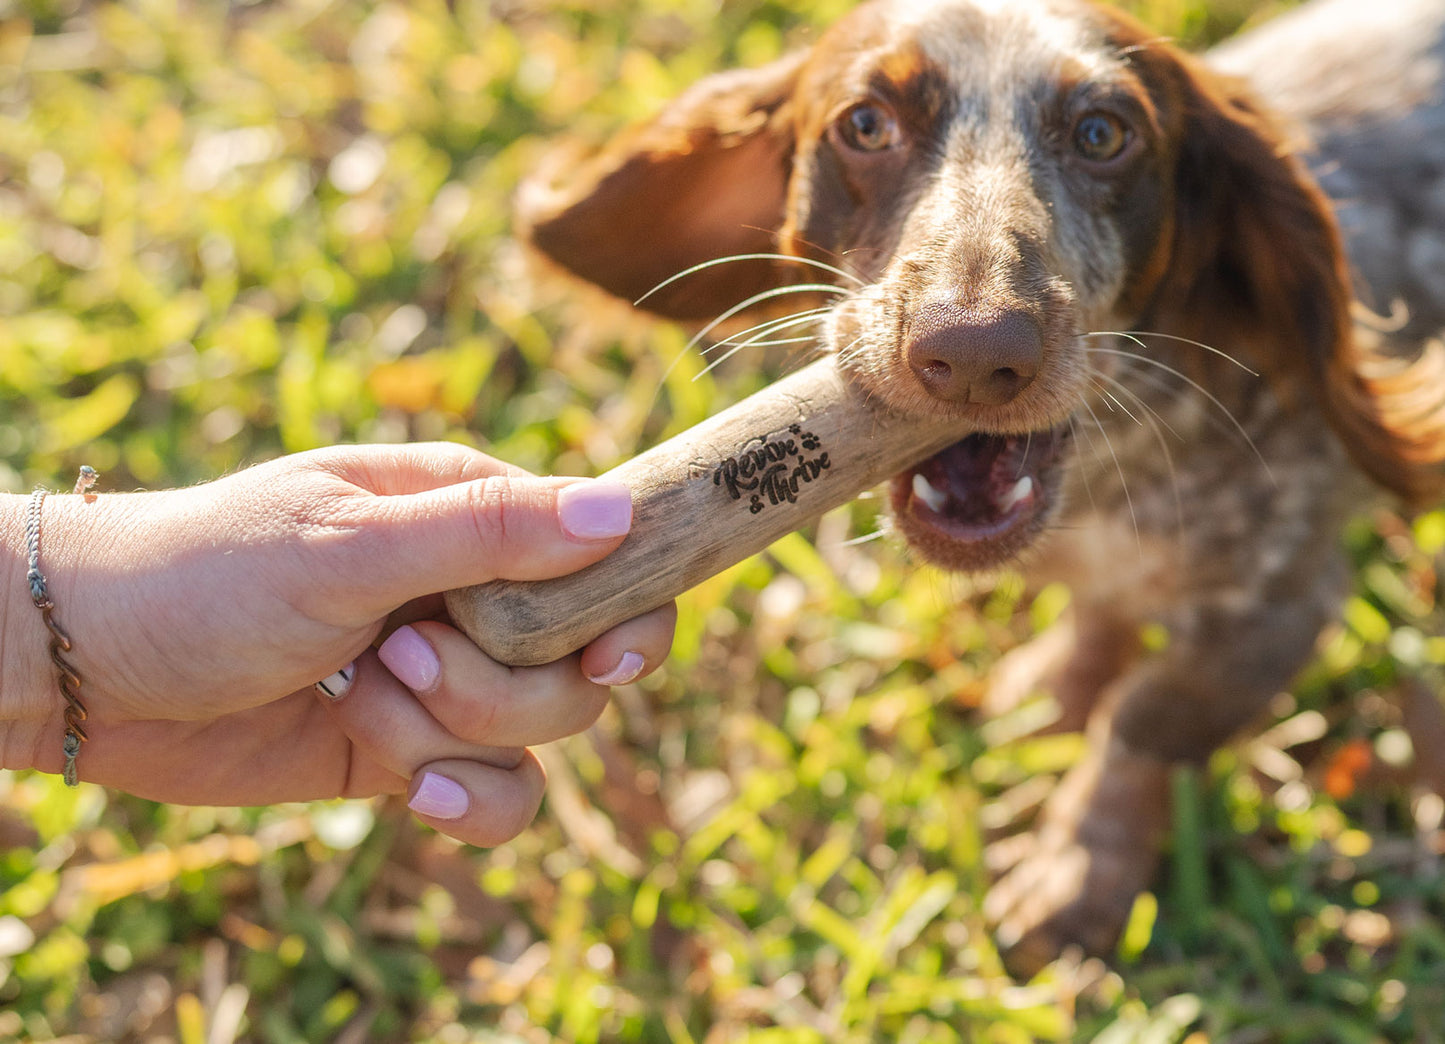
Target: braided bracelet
67, 677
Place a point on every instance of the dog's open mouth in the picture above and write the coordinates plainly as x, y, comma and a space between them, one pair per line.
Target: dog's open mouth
981, 501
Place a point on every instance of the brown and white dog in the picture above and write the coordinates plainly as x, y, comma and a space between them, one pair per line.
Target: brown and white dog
1041, 217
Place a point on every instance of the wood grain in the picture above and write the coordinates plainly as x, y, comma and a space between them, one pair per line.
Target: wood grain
705, 500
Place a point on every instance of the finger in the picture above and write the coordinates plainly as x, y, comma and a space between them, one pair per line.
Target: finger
288, 750
405, 468
427, 607
631, 650
482, 701
388, 726
512, 527
478, 804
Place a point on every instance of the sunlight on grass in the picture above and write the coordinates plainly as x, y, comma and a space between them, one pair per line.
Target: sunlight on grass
230, 231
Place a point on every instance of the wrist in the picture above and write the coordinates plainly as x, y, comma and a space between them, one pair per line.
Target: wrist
24, 663
34, 716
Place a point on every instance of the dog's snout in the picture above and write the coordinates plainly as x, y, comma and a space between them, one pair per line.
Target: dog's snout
960, 356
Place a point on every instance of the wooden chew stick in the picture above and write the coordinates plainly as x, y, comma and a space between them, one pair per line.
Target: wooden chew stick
704, 500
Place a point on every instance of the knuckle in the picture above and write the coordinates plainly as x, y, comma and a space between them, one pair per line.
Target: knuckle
490, 501
506, 819
462, 715
587, 715
476, 720
590, 707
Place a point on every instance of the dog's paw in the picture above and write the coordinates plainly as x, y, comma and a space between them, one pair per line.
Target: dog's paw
1034, 667
1065, 894
1073, 884
1071, 662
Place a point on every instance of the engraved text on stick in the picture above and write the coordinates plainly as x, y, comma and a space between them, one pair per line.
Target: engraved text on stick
773, 472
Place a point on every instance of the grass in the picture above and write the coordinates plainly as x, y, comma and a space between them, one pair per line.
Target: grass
231, 232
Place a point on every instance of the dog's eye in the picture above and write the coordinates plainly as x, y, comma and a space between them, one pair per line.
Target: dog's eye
1100, 136
868, 128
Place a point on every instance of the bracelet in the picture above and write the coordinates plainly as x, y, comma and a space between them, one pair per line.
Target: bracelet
67, 677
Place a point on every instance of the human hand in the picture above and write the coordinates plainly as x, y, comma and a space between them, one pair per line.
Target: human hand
202, 617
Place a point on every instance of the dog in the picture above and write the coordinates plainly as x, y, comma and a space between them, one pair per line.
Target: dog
1113, 262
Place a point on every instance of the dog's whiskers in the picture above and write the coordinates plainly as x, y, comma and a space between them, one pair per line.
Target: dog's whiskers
1024, 460
758, 334
757, 299
1079, 432
1238, 427
821, 265
1111, 400
846, 352
1119, 467
1139, 400
742, 306
1137, 337
759, 337
1155, 421
1164, 387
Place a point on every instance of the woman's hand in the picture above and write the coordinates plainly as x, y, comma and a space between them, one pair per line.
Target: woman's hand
202, 619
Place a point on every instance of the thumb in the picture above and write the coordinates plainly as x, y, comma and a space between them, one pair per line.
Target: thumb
501, 527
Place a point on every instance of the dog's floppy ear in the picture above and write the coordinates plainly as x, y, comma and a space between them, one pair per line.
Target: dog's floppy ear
1257, 265
1256, 259
706, 178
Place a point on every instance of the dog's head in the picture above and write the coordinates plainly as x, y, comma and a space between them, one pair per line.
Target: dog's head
991, 183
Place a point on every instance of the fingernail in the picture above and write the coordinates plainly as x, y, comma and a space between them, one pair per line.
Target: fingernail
334, 686
595, 510
411, 658
439, 797
627, 669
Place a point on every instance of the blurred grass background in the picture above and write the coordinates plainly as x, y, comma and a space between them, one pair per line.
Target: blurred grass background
232, 231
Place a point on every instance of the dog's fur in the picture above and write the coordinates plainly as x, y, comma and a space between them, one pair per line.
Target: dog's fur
1050, 222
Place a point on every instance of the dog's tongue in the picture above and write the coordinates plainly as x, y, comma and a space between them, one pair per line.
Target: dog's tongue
976, 483
981, 502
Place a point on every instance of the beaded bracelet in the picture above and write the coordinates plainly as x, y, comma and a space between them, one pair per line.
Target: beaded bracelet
67, 677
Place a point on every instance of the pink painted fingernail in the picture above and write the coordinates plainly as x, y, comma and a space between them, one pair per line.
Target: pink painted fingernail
439, 797
411, 658
595, 510
627, 669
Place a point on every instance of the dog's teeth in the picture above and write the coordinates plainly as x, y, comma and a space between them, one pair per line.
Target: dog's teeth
924, 491
1021, 489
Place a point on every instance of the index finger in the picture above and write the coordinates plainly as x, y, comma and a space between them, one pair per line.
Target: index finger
501, 527
406, 468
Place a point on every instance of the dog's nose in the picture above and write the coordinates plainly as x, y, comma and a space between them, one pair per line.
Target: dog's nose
960, 356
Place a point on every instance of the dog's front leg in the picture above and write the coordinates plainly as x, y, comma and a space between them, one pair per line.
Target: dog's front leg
1071, 663
1097, 844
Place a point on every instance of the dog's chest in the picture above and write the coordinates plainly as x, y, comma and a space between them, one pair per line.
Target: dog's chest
1175, 497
